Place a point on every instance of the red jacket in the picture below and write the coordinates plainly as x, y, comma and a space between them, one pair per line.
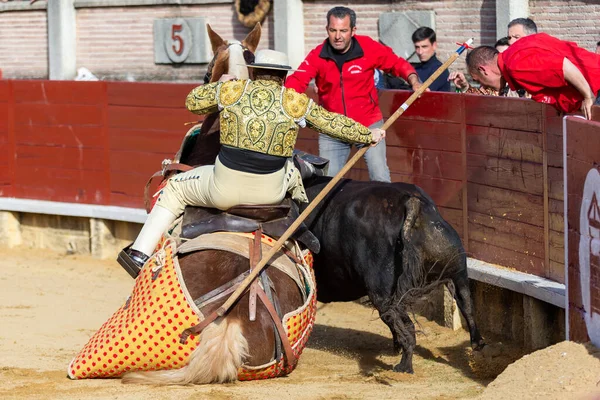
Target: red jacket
350, 91
535, 63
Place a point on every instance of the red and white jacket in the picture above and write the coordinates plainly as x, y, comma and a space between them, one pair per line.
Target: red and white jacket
350, 91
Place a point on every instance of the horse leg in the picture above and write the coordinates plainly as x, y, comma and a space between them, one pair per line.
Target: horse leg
403, 332
221, 351
464, 301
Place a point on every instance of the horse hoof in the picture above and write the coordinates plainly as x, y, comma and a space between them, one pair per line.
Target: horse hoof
404, 369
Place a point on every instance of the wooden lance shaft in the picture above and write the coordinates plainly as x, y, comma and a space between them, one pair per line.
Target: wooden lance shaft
286, 235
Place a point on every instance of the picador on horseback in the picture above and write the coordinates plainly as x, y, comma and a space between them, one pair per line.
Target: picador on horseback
259, 126
198, 278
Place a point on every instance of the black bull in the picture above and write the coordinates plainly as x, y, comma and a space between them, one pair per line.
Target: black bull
390, 243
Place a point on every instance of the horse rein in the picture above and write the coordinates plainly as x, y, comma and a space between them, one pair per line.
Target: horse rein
248, 58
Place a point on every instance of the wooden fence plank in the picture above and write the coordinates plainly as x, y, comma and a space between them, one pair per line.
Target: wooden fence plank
145, 140
432, 106
57, 114
58, 92
56, 184
79, 136
3, 92
508, 204
136, 161
430, 163
158, 119
142, 94
506, 113
525, 177
511, 235
59, 157
429, 135
506, 258
504, 143
445, 192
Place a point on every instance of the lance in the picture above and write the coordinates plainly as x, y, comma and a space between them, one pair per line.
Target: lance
221, 311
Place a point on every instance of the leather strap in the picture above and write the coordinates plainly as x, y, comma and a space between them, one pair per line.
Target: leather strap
196, 329
163, 173
287, 347
255, 256
221, 291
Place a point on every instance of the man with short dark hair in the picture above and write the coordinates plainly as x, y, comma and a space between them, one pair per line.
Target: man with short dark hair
343, 67
425, 43
598, 47
553, 71
520, 27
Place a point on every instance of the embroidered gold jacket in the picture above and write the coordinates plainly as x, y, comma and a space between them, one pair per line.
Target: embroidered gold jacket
263, 116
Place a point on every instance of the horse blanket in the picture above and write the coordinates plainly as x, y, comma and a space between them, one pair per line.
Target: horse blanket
143, 334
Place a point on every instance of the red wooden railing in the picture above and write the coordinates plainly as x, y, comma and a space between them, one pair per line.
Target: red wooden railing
493, 165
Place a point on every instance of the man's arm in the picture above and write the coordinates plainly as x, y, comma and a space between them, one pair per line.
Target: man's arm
307, 71
397, 66
337, 126
203, 99
574, 76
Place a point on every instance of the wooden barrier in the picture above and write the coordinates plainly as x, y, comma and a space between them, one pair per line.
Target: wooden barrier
493, 165
582, 189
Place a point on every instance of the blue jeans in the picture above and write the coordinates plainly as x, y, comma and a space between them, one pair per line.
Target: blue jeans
337, 153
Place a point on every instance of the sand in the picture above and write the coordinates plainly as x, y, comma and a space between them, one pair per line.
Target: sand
50, 305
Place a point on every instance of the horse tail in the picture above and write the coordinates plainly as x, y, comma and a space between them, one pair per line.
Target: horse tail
220, 353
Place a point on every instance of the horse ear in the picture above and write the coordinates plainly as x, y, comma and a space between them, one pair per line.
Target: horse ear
215, 40
251, 41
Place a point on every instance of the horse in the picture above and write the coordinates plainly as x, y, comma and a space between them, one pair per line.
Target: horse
230, 342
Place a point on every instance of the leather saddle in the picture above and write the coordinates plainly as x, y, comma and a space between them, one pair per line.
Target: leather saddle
272, 219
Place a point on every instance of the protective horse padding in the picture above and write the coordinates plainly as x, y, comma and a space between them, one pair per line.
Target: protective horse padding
143, 335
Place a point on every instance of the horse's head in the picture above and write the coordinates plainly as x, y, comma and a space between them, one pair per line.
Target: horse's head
230, 56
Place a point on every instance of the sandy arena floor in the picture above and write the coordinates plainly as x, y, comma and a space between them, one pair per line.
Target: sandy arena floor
50, 304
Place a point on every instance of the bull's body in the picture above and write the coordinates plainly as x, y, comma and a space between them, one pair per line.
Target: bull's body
388, 242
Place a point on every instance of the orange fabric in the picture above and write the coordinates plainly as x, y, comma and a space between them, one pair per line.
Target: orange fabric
143, 335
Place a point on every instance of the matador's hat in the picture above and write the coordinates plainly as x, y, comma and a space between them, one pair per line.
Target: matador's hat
271, 59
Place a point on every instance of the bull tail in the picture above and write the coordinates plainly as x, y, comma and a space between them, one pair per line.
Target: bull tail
413, 276
221, 351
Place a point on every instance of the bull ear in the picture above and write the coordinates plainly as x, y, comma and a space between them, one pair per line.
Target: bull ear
215, 40
251, 41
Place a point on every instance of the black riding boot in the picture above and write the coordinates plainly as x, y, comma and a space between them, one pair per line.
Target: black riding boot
132, 261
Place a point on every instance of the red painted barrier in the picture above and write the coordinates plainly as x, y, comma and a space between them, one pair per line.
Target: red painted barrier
493, 165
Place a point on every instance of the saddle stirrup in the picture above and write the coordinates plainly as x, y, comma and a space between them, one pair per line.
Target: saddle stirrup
132, 261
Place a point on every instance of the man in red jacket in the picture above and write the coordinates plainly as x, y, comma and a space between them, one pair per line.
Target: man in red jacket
343, 67
554, 71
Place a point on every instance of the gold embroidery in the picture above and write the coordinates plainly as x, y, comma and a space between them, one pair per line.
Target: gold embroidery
260, 116
337, 125
203, 99
230, 92
295, 104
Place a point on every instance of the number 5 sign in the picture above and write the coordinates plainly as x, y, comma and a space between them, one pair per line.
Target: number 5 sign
181, 40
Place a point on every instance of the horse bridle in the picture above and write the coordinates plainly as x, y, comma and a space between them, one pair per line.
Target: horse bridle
248, 58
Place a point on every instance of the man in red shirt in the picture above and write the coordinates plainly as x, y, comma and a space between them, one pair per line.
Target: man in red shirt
553, 71
343, 67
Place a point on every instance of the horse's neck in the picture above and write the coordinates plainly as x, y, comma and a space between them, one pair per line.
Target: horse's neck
237, 64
